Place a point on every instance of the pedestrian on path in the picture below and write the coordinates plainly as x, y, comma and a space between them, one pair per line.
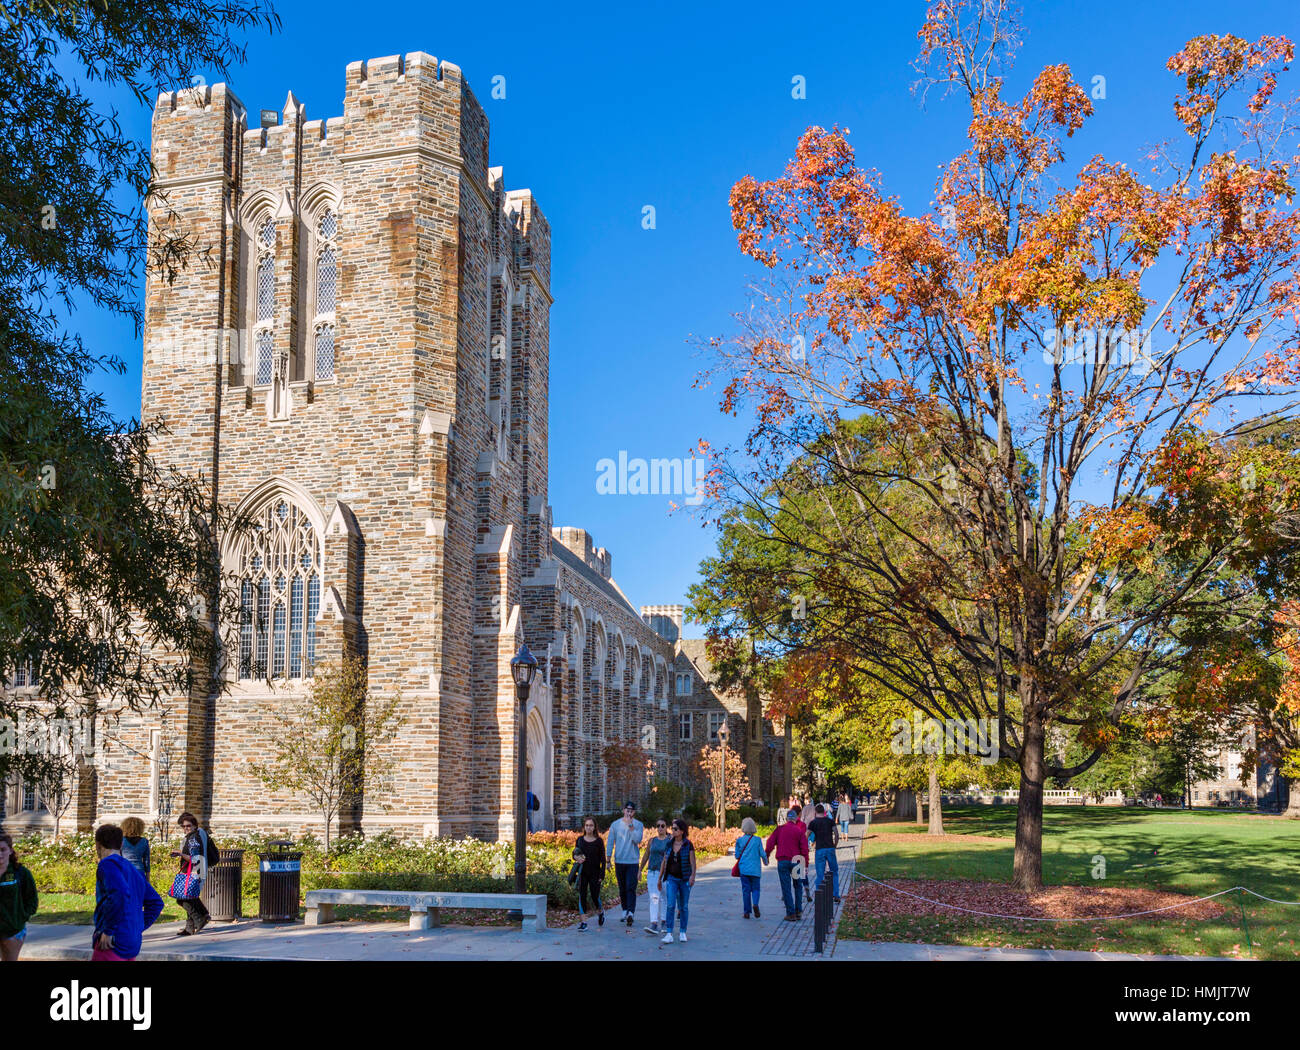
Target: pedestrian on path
845, 813
750, 858
677, 876
651, 863
187, 884
827, 838
589, 852
18, 901
625, 837
807, 814
125, 903
135, 847
790, 841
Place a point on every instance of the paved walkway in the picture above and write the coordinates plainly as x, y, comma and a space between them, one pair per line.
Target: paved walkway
717, 931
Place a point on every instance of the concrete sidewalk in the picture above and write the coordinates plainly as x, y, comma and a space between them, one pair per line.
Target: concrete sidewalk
717, 932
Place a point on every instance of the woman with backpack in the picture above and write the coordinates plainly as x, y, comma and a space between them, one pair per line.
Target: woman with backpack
135, 847
18, 901
589, 855
750, 858
195, 856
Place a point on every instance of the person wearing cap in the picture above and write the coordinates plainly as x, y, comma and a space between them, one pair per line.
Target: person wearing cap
625, 836
790, 841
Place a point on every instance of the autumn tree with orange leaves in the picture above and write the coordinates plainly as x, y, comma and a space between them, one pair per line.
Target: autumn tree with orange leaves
1062, 366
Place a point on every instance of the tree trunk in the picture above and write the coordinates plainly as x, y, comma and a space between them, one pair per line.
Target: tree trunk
904, 803
936, 803
1293, 798
920, 809
1027, 871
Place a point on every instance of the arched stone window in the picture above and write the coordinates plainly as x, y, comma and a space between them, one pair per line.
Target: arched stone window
280, 588
326, 297
264, 301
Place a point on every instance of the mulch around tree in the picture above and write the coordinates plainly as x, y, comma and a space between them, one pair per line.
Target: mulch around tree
869, 900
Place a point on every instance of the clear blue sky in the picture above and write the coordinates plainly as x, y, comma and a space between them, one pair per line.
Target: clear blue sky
611, 108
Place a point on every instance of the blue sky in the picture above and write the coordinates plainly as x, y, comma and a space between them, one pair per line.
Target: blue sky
608, 110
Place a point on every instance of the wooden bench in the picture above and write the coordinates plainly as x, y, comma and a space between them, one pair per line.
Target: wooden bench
425, 905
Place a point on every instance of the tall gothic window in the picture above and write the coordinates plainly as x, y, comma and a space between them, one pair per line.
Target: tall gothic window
264, 331
327, 229
279, 594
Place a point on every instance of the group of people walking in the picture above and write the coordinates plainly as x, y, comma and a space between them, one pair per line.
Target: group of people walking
669, 860
126, 903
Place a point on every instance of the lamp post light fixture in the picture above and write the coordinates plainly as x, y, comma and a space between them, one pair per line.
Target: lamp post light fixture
523, 668
722, 738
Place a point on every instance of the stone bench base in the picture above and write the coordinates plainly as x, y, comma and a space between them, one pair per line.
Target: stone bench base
425, 907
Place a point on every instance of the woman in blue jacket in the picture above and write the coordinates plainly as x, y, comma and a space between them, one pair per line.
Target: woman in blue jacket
750, 858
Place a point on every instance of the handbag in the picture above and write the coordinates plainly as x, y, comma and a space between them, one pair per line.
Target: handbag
735, 868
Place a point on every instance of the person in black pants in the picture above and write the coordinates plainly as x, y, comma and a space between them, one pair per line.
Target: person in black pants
589, 852
624, 850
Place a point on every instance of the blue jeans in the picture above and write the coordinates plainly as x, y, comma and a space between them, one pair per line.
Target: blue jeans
844, 827
788, 887
825, 857
749, 886
679, 895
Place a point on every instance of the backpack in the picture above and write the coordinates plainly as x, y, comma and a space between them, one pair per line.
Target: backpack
211, 855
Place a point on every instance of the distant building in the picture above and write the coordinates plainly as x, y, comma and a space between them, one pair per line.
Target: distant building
1266, 789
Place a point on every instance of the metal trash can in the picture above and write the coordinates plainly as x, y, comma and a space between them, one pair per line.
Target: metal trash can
279, 882
223, 889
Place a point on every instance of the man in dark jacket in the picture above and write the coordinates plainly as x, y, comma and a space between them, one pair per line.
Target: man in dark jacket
125, 904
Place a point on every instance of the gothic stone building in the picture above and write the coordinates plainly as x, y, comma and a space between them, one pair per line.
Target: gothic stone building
377, 404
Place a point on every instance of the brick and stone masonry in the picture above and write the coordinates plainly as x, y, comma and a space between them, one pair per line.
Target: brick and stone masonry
360, 362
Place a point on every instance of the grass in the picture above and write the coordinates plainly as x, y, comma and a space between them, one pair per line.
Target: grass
1194, 852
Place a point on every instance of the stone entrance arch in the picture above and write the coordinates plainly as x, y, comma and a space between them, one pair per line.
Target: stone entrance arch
538, 750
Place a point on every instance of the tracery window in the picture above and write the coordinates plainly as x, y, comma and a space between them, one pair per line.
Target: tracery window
264, 288
327, 228
279, 594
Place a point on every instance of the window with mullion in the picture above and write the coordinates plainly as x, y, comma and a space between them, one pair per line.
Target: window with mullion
280, 594
323, 324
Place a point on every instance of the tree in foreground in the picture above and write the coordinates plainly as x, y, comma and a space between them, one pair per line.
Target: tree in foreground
1062, 367
107, 562
331, 742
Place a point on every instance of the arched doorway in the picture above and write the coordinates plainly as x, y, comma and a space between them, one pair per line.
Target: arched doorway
537, 754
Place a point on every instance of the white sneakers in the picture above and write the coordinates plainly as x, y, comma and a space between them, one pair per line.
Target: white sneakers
682, 936
668, 937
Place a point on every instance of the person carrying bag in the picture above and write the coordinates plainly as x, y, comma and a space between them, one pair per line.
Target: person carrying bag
749, 867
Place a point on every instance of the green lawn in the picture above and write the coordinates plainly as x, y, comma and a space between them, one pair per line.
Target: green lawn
1194, 852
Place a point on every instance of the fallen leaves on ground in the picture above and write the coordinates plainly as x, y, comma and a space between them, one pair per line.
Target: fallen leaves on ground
869, 900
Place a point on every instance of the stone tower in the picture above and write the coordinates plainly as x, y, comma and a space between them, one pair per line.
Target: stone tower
360, 366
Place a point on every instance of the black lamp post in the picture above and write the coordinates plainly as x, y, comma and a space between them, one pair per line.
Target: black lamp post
722, 736
522, 669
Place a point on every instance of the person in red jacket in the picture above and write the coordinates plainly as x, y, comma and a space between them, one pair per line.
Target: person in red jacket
790, 840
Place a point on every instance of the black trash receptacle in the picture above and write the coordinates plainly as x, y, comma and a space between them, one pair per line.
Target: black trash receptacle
223, 889
278, 884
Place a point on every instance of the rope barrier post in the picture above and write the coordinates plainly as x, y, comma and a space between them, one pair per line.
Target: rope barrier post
1250, 948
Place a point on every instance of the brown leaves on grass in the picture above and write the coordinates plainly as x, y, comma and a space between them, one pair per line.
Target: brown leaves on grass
869, 901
